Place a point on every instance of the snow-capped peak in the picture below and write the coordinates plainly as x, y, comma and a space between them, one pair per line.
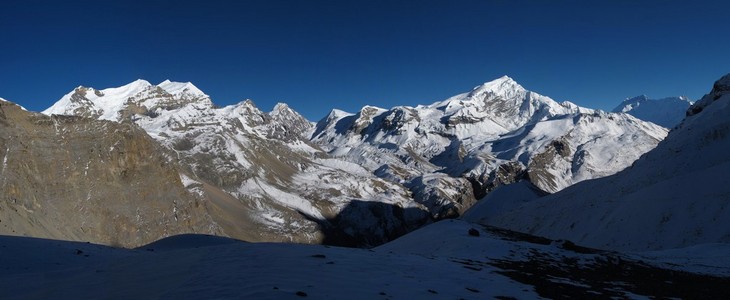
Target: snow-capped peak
280, 107
246, 109
140, 81
337, 114
247, 103
101, 104
107, 104
127, 90
368, 112
287, 124
372, 108
134, 85
282, 111
500, 89
178, 88
504, 83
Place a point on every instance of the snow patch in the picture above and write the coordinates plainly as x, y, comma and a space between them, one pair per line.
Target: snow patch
5, 162
187, 181
258, 187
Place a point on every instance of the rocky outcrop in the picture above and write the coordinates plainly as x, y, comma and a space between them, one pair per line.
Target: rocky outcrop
719, 89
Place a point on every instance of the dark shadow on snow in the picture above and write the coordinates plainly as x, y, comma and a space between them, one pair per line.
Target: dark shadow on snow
365, 224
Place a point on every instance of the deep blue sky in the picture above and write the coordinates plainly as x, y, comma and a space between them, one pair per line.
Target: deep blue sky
318, 55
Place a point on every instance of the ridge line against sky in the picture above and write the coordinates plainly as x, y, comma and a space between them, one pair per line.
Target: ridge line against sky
320, 55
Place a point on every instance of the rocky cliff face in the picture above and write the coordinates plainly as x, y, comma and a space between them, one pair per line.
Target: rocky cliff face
74, 178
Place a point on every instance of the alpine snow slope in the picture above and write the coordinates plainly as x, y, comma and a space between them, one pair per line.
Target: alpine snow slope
362, 179
447, 260
676, 195
666, 112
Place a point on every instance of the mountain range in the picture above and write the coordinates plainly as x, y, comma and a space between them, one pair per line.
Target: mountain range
350, 179
655, 228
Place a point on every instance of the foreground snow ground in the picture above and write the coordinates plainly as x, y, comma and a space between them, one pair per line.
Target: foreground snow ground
451, 259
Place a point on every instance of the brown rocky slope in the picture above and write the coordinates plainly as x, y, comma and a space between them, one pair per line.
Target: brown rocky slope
80, 179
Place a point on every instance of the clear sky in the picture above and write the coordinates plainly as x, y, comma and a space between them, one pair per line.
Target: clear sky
319, 55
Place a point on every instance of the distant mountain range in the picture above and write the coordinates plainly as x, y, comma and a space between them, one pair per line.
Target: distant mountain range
350, 179
667, 112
